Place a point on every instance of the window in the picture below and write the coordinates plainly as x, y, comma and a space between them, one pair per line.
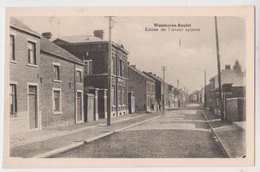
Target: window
113, 94
12, 48
31, 53
123, 96
56, 101
113, 65
89, 68
13, 99
57, 72
79, 76
120, 68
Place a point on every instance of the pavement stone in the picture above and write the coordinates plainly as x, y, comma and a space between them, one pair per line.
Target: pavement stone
27, 150
232, 137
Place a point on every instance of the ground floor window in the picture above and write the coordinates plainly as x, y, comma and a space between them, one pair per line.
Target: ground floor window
13, 99
56, 100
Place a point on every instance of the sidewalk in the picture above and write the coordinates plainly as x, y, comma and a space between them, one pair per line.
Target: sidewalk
39, 142
230, 135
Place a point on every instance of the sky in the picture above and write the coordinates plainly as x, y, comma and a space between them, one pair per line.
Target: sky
186, 55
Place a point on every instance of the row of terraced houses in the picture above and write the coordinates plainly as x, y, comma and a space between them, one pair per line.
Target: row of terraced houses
65, 81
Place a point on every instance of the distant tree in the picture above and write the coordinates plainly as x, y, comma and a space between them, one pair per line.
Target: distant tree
237, 67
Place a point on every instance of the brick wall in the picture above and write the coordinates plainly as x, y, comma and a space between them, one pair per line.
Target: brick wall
22, 74
236, 109
137, 84
67, 86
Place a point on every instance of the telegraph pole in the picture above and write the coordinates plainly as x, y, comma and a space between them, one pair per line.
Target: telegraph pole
109, 102
163, 102
219, 74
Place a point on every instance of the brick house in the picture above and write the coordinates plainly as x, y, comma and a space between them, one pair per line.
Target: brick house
61, 86
158, 89
94, 51
46, 82
233, 87
143, 88
24, 60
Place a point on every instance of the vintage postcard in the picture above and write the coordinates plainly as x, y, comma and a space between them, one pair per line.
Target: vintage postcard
129, 87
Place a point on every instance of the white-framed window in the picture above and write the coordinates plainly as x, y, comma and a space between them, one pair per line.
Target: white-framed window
31, 52
113, 95
57, 101
89, 67
56, 69
12, 48
13, 99
79, 75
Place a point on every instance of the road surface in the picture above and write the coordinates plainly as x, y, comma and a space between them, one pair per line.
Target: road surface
181, 133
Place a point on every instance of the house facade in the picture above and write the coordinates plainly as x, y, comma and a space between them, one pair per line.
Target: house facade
24, 60
94, 51
46, 82
61, 86
143, 88
233, 91
158, 89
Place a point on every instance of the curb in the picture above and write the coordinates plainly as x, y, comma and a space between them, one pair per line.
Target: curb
59, 150
220, 141
78, 144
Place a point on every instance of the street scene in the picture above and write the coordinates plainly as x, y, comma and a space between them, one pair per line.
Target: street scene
127, 87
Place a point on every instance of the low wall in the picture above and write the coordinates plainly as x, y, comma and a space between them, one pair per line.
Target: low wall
236, 109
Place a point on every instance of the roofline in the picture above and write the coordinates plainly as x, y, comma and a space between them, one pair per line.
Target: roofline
155, 78
27, 31
50, 53
145, 76
102, 41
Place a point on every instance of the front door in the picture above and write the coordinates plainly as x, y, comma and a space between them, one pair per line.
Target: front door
79, 107
33, 116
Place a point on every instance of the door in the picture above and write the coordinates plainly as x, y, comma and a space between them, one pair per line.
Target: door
79, 107
33, 116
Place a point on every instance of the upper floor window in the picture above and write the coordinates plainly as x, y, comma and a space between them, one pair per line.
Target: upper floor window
120, 67
113, 66
31, 53
79, 76
89, 68
12, 47
57, 72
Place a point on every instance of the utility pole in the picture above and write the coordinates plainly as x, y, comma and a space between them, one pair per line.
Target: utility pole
219, 74
205, 82
109, 102
163, 102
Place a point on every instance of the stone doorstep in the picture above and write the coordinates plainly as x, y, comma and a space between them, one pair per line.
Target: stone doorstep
54, 133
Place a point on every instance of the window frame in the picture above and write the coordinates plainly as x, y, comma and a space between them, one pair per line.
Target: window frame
81, 76
15, 98
34, 53
57, 78
12, 58
53, 101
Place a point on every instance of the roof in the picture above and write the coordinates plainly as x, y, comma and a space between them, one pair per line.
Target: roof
81, 39
140, 73
14, 22
49, 47
229, 76
77, 39
154, 77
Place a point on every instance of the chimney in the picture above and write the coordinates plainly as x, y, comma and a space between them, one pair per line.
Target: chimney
47, 35
227, 67
99, 33
133, 66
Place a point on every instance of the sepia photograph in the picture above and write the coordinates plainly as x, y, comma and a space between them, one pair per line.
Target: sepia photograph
120, 86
